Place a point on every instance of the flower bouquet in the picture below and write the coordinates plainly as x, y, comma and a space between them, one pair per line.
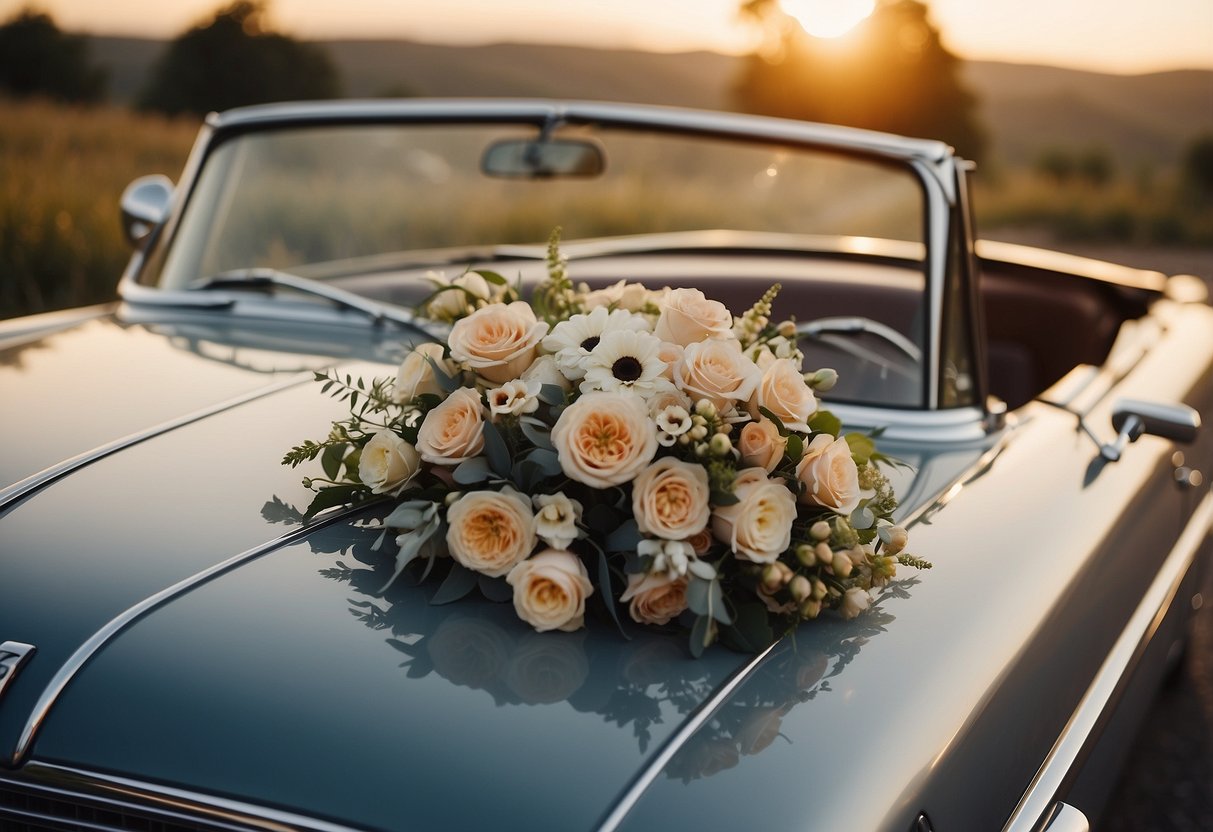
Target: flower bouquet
645, 451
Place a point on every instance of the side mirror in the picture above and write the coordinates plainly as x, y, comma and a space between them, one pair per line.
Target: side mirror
1132, 418
145, 204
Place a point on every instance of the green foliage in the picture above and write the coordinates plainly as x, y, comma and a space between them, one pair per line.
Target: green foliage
895, 75
1198, 166
36, 59
233, 60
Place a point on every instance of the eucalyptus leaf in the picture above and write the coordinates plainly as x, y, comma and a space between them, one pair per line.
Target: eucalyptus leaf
701, 635
459, 582
491, 277
537, 433
723, 498
795, 447
336, 495
699, 596
496, 450
863, 518
625, 538
410, 545
448, 383
607, 595
551, 394
716, 603
471, 471
547, 460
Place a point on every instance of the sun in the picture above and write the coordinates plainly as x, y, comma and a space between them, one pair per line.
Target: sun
828, 18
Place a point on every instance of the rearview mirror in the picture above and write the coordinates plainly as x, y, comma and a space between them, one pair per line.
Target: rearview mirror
145, 204
543, 159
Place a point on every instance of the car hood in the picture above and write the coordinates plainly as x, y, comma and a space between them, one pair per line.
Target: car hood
200, 638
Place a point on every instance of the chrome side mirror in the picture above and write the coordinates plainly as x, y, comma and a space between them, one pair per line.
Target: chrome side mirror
1132, 418
145, 204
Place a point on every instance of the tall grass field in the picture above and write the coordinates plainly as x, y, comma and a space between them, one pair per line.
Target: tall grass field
63, 169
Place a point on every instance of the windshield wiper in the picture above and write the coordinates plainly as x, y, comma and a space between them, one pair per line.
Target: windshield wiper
270, 279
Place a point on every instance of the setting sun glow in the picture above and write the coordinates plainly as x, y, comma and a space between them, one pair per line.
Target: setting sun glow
828, 18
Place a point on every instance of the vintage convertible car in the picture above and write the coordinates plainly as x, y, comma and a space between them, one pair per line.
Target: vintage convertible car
179, 651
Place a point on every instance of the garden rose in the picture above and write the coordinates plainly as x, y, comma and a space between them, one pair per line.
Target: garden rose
605, 439
670, 499
758, 527
498, 341
829, 474
783, 392
415, 376
655, 598
387, 461
550, 589
450, 304
761, 445
454, 430
688, 317
490, 531
717, 371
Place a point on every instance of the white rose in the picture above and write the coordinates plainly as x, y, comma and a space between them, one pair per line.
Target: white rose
670, 499
556, 519
605, 439
854, 601
783, 392
490, 531
416, 377
473, 291
514, 398
387, 461
829, 474
655, 598
550, 589
454, 430
758, 527
717, 371
687, 317
498, 341
621, 295
761, 445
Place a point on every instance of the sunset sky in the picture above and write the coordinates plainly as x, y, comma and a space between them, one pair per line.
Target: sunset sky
1089, 34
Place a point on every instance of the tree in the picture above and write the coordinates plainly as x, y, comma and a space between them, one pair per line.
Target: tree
890, 73
38, 59
1198, 166
233, 60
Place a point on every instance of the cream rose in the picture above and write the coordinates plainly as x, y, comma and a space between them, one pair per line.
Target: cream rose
387, 461
621, 295
758, 527
498, 341
605, 439
670, 499
783, 392
545, 371
688, 317
490, 531
761, 445
655, 597
454, 430
550, 589
828, 472
449, 304
415, 376
717, 371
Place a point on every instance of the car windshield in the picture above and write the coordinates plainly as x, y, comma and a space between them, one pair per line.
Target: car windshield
372, 207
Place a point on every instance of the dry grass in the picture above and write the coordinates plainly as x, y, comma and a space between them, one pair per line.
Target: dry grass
62, 171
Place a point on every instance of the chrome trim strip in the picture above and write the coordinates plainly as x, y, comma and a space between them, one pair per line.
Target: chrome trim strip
32, 483
85, 652
1045, 260
1145, 620
172, 802
641, 783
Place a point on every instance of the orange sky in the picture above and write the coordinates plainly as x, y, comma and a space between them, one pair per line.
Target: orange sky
1128, 37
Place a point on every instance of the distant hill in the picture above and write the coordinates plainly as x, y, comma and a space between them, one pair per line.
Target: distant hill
1139, 119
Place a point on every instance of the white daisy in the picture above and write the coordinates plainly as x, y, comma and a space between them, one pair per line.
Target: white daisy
626, 360
572, 341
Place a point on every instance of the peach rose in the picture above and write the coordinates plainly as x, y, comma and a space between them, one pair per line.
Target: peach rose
490, 531
829, 474
688, 317
550, 589
717, 371
415, 376
605, 439
783, 392
761, 445
670, 499
758, 527
655, 597
454, 430
498, 341
387, 461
